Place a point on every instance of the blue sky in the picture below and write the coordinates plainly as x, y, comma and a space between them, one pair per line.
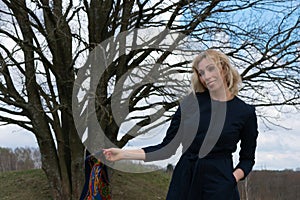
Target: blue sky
277, 148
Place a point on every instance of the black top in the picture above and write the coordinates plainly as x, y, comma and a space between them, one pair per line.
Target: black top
221, 125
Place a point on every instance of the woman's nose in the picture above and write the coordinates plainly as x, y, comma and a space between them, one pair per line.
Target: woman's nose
206, 75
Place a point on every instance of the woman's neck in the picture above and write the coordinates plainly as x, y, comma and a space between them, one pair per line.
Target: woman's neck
221, 96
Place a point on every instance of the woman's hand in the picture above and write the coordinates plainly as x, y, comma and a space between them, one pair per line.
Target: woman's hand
113, 154
238, 174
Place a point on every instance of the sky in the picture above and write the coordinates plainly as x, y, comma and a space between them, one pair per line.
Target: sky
277, 149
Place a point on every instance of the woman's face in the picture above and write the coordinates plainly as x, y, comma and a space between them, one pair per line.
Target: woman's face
211, 76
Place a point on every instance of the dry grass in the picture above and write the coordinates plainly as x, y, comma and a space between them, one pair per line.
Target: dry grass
32, 184
266, 185
28, 185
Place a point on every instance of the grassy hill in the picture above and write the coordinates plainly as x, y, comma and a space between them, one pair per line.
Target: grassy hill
260, 185
32, 184
27, 185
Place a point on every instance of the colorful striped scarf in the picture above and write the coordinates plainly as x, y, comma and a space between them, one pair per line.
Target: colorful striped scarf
96, 184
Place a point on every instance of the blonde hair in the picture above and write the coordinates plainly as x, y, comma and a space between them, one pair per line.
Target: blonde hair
232, 76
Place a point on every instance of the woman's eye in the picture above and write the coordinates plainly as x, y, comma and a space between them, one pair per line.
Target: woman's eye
211, 68
201, 73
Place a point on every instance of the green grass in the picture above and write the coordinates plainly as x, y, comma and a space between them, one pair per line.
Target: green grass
27, 185
145, 186
267, 185
32, 184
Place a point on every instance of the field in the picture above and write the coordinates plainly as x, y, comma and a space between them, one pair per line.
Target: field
32, 184
260, 185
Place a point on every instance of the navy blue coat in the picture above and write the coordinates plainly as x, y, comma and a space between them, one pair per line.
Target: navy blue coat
209, 132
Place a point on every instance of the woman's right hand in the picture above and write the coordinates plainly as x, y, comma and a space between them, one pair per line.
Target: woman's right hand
113, 154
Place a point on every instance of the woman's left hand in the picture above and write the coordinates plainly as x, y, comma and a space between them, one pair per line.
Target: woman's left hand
238, 174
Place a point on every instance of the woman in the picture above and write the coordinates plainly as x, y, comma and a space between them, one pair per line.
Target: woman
205, 169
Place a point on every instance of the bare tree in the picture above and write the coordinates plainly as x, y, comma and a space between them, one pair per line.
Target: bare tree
24, 158
8, 159
44, 44
19, 159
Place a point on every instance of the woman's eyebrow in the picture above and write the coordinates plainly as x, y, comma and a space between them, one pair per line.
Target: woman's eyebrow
209, 65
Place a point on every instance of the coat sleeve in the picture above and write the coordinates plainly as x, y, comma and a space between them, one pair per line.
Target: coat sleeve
248, 144
170, 143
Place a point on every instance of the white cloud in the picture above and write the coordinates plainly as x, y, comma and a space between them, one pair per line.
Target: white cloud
279, 149
12, 136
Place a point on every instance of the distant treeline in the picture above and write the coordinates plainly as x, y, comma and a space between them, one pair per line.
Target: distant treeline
271, 185
19, 159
